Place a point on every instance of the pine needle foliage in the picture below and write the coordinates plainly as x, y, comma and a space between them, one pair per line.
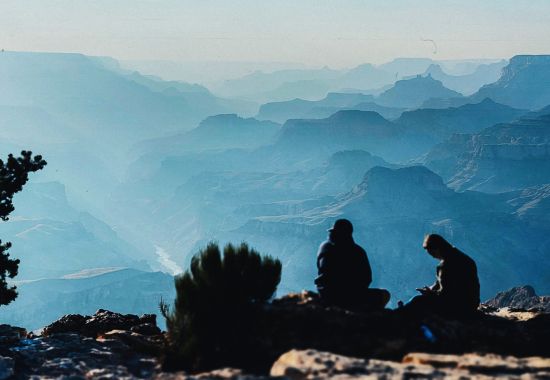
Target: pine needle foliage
14, 174
218, 306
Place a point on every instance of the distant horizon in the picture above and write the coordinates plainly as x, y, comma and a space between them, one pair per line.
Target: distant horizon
280, 62
211, 72
317, 33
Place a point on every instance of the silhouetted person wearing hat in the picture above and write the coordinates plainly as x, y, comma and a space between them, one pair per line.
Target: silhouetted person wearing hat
344, 272
456, 290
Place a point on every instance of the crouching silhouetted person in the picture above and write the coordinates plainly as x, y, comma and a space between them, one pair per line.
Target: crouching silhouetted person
344, 272
456, 290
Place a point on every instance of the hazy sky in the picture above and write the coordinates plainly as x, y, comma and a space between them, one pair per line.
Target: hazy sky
315, 32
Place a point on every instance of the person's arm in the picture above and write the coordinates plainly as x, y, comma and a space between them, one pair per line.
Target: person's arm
324, 265
435, 288
367, 269
444, 280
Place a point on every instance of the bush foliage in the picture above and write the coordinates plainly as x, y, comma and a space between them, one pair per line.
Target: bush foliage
14, 174
217, 307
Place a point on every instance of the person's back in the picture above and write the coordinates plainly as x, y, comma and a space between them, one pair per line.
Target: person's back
344, 272
457, 274
456, 290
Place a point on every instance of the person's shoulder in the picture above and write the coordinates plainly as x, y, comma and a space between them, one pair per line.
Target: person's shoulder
461, 256
325, 247
359, 249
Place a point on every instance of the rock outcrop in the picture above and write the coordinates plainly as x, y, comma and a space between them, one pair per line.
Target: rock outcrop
521, 298
299, 338
104, 345
301, 321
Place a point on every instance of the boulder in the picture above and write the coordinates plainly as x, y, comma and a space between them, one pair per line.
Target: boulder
135, 341
6, 367
312, 364
101, 322
11, 334
65, 324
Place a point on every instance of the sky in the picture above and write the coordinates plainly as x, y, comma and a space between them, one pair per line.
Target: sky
339, 33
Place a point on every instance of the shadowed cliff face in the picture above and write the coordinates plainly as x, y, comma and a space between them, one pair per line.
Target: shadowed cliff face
411, 93
503, 157
219, 132
524, 83
440, 124
346, 130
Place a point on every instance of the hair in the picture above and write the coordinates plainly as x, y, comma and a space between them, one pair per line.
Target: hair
436, 241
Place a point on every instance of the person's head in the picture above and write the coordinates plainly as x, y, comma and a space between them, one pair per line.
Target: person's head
436, 246
341, 230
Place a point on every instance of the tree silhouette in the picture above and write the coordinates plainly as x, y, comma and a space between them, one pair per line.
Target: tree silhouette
217, 307
14, 173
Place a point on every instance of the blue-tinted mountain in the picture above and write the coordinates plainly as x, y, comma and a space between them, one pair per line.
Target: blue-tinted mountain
367, 76
390, 113
82, 93
440, 103
119, 289
503, 157
305, 109
313, 84
33, 126
51, 238
159, 85
469, 118
306, 89
392, 210
343, 130
259, 86
469, 83
219, 132
344, 127
525, 83
316, 83
352, 129
402, 67
411, 93
209, 198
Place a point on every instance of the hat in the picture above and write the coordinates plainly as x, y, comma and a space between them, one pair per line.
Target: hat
343, 226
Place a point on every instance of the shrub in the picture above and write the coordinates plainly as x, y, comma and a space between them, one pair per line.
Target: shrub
217, 307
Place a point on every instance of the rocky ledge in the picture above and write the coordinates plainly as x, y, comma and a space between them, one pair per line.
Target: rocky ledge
104, 345
300, 339
311, 364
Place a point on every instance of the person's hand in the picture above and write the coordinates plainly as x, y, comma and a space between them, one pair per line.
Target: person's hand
424, 290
